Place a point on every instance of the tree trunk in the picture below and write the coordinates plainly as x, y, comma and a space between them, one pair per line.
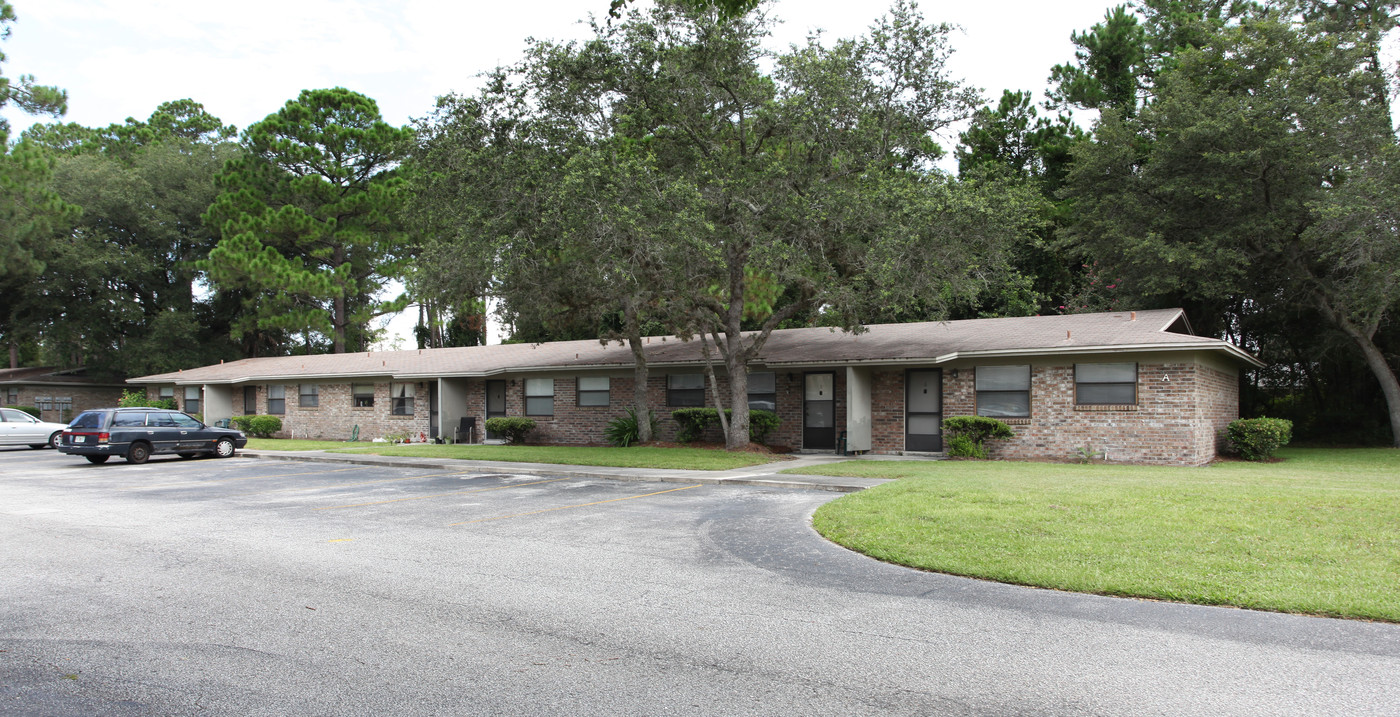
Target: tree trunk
338, 313
640, 398
1375, 360
714, 388
14, 354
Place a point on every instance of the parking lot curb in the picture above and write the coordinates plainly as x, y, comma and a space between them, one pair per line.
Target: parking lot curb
746, 477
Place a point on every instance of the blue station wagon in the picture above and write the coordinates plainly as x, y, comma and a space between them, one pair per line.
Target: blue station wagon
136, 433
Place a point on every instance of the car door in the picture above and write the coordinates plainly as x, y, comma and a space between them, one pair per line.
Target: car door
162, 432
194, 436
19, 428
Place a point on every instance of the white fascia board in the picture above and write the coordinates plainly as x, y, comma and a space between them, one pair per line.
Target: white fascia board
180, 381
1000, 353
547, 369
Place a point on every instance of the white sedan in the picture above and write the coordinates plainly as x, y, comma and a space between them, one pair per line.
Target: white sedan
18, 428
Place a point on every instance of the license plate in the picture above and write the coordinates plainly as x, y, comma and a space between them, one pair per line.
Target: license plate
80, 439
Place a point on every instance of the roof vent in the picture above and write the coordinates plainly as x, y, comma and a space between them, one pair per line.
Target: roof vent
1066, 336
1132, 316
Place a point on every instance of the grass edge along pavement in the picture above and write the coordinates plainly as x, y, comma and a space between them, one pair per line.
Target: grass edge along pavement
1317, 534
631, 457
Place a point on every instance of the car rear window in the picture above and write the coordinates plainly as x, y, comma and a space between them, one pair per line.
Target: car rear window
88, 419
129, 419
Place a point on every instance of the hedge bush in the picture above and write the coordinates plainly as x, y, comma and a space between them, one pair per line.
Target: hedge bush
258, 426
31, 410
1257, 438
694, 421
623, 431
512, 428
967, 434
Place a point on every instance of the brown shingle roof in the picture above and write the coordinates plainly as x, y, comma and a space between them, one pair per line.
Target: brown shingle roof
927, 342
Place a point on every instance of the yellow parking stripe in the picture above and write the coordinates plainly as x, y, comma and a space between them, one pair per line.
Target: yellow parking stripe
439, 495
579, 505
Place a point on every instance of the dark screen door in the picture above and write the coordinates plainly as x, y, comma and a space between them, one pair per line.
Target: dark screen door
819, 411
495, 402
923, 405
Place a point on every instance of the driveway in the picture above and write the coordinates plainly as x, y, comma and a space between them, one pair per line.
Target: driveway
249, 587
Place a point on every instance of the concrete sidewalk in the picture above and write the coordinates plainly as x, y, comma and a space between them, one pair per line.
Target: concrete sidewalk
766, 475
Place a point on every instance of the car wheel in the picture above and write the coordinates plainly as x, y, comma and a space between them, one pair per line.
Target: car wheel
55, 439
138, 453
224, 448
99, 460
186, 455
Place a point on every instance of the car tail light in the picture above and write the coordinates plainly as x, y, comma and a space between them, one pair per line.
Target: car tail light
103, 437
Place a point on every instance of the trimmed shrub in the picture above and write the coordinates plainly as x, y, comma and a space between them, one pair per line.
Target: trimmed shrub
693, 422
1257, 438
31, 410
512, 428
761, 423
623, 431
968, 433
965, 447
258, 426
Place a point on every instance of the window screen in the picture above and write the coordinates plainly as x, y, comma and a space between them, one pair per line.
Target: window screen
763, 391
401, 396
594, 390
539, 397
685, 389
191, 399
276, 400
1004, 391
362, 395
1105, 383
309, 395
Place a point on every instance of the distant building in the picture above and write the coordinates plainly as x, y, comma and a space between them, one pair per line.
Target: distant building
58, 394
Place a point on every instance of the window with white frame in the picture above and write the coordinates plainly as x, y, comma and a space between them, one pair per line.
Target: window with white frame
763, 391
594, 390
539, 397
362, 395
276, 400
685, 390
1105, 384
1004, 391
401, 399
191, 399
308, 395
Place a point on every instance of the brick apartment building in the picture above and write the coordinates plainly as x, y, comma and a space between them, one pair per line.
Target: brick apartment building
1136, 386
59, 394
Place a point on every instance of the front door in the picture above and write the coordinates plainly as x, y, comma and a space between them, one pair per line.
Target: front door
250, 400
819, 411
495, 402
923, 410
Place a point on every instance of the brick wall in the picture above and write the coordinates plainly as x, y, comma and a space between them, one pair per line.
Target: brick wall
335, 415
82, 397
1180, 412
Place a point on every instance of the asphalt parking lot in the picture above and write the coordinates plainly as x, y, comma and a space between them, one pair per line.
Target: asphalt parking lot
250, 587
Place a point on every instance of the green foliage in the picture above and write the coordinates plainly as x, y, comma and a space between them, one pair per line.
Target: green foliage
31, 410
309, 218
133, 398
761, 423
511, 428
965, 447
624, 431
978, 428
1257, 439
692, 422
258, 426
1086, 455
22, 92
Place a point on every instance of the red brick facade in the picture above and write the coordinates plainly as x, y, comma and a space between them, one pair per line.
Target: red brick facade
1181, 410
60, 403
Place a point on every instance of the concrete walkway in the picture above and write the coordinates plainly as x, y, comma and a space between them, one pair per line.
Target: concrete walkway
766, 475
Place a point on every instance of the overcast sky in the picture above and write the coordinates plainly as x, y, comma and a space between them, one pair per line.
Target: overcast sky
121, 58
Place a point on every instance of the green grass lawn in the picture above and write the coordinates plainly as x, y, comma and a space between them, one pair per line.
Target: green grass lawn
633, 457
1318, 533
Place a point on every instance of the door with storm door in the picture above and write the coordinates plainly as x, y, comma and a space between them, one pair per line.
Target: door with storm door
819, 411
495, 403
923, 406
